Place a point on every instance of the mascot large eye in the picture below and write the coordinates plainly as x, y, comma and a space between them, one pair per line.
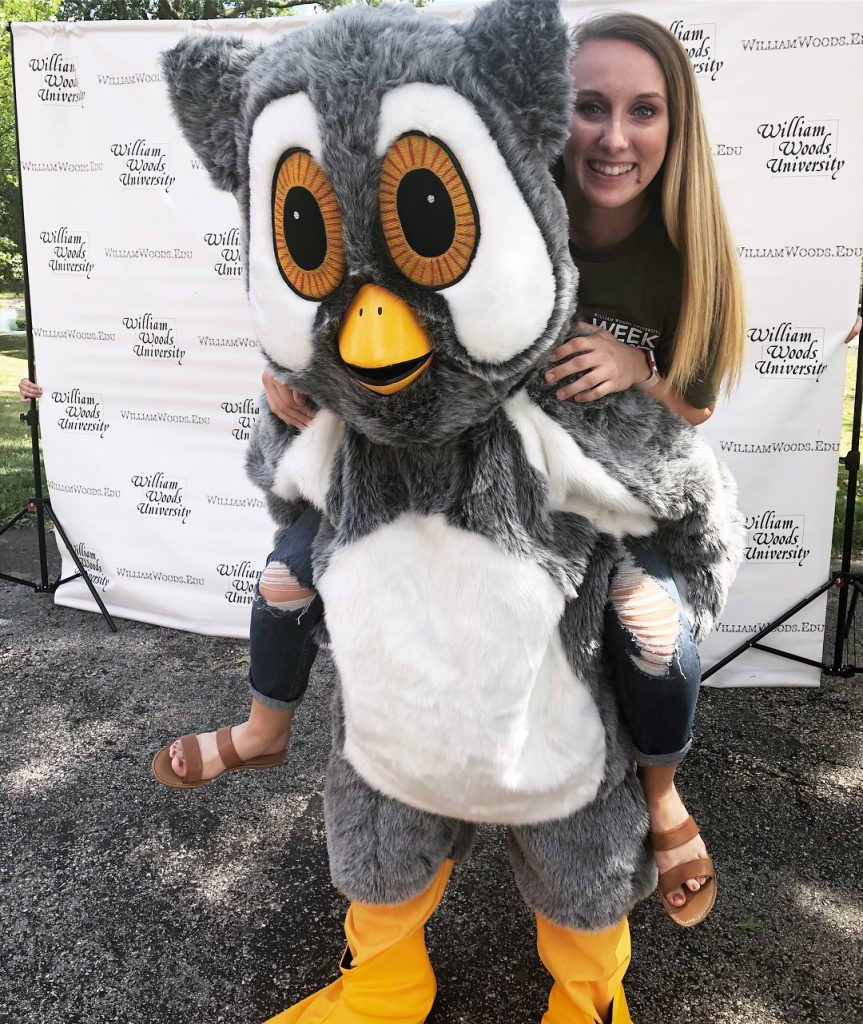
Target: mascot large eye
307, 226
428, 214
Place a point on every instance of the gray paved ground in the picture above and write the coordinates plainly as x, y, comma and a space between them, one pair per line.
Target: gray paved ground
121, 901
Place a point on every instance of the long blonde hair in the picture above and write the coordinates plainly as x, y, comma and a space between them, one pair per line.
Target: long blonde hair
711, 332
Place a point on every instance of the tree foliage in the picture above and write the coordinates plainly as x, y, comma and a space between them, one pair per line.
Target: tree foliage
187, 10
11, 272
191, 10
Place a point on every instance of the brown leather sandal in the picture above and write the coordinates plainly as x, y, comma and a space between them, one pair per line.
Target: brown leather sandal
698, 904
164, 773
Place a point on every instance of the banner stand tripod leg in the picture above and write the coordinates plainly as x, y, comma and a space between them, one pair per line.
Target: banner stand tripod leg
39, 505
82, 572
852, 607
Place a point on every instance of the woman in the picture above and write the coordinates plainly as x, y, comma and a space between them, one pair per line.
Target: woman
661, 301
661, 309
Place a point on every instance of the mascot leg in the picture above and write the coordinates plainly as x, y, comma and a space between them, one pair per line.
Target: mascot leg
386, 972
581, 876
588, 969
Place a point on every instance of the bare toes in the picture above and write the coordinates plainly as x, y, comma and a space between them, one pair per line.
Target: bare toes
693, 884
178, 765
676, 897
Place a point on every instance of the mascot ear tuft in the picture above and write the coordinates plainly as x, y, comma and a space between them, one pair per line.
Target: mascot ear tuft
522, 47
205, 83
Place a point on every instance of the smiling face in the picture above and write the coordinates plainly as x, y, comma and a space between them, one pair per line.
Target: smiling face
620, 125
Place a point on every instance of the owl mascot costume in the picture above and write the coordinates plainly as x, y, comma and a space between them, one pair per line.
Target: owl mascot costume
408, 268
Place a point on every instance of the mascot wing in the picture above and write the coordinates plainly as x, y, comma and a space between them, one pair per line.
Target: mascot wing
634, 468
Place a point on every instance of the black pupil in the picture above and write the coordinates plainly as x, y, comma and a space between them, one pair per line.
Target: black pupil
305, 233
426, 213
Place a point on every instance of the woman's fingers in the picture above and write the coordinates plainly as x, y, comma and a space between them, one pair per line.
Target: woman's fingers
573, 346
27, 390
576, 364
608, 365
295, 419
600, 391
289, 404
289, 413
590, 383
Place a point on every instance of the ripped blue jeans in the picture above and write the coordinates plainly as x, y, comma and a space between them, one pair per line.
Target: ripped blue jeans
281, 645
657, 668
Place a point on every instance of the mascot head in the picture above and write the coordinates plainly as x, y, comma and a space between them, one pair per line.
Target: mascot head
406, 247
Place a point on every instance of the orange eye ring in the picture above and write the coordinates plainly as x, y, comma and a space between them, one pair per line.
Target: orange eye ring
428, 214
307, 226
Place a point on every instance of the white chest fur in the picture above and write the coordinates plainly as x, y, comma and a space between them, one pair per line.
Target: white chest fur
304, 469
458, 696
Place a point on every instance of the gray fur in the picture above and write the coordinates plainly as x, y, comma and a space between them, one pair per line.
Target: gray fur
206, 80
346, 63
516, 46
444, 445
588, 870
382, 851
661, 459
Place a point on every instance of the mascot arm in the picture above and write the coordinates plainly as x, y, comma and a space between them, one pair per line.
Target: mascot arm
294, 467
704, 546
270, 439
661, 461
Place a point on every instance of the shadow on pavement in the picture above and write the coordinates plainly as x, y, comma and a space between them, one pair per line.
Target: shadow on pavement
121, 901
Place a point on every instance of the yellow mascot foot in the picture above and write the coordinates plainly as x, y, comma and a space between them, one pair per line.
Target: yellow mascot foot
588, 970
317, 1007
387, 977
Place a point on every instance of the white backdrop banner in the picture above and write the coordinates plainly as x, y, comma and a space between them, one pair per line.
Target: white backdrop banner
149, 364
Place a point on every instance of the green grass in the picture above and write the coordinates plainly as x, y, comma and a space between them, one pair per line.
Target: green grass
16, 460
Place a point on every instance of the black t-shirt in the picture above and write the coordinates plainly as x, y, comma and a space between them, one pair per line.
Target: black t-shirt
633, 291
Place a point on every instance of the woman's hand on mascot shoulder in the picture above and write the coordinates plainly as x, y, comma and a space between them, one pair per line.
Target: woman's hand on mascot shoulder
287, 403
607, 365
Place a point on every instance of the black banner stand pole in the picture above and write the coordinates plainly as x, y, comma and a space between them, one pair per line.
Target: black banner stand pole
39, 504
843, 579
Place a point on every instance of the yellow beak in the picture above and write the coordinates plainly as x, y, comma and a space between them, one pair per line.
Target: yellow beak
382, 343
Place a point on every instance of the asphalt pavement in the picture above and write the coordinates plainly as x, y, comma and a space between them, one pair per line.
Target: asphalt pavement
122, 901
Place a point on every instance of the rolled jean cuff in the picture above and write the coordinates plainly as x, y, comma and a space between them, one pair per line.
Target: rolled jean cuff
662, 760
271, 702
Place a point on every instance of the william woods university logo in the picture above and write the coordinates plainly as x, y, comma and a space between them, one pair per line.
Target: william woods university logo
243, 414
242, 578
775, 537
802, 147
699, 41
92, 562
154, 337
229, 262
58, 79
162, 497
67, 251
81, 412
144, 164
789, 351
